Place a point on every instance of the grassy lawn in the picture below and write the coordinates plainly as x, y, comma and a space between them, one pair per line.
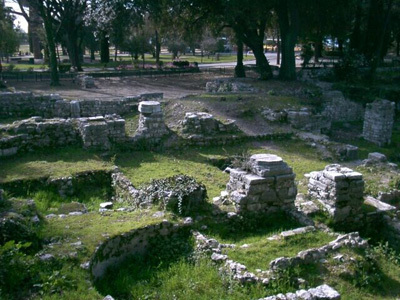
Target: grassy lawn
123, 60
262, 251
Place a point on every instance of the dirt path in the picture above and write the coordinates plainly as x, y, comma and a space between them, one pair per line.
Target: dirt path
173, 87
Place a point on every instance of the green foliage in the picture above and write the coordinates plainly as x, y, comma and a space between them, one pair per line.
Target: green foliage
306, 54
16, 270
181, 63
348, 68
64, 68
176, 193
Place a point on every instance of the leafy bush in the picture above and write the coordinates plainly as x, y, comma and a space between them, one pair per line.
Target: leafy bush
181, 64
64, 68
306, 54
177, 193
16, 275
10, 68
348, 68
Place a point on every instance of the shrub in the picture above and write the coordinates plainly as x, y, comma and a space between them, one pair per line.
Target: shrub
177, 193
348, 68
306, 54
10, 68
64, 68
181, 64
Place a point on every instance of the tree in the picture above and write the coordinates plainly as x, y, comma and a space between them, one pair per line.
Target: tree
9, 41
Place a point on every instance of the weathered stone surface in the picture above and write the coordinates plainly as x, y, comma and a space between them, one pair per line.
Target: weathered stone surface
205, 124
378, 122
376, 156
339, 109
228, 86
268, 187
379, 205
340, 190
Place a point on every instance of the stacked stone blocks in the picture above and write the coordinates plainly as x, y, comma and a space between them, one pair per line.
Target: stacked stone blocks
340, 190
151, 121
204, 123
268, 185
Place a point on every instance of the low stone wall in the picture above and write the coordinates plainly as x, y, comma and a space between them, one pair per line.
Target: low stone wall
34, 133
115, 250
321, 292
339, 109
102, 132
340, 190
228, 86
268, 185
204, 123
37, 133
23, 104
378, 122
306, 120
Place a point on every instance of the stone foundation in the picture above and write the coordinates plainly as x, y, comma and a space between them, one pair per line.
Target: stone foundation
85, 81
204, 123
340, 190
378, 122
268, 185
38, 133
102, 132
306, 120
228, 86
25, 105
339, 109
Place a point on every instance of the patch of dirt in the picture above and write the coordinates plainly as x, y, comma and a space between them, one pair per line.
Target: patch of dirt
173, 87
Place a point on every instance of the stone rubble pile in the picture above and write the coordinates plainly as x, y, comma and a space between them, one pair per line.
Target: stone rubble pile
340, 190
85, 81
378, 122
313, 255
304, 119
228, 86
206, 124
151, 122
322, 292
267, 186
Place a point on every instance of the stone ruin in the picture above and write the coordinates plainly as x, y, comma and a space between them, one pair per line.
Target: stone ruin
85, 81
204, 123
378, 122
340, 190
151, 121
101, 132
339, 109
267, 186
228, 86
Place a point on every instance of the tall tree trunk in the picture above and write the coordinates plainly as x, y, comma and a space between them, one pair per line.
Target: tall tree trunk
318, 50
355, 39
288, 23
73, 50
35, 23
398, 46
92, 56
116, 52
55, 80
239, 69
379, 49
158, 49
340, 43
104, 48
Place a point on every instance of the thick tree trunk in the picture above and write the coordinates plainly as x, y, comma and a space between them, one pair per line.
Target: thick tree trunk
340, 42
398, 47
158, 49
73, 50
278, 49
318, 50
239, 69
54, 81
34, 26
92, 56
288, 24
104, 48
115, 53
355, 39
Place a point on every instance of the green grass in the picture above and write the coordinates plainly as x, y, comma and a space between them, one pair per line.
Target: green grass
262, 251
124, 60
52, 163
131, 123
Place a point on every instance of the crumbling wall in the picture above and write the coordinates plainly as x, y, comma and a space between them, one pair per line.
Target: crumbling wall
378, 122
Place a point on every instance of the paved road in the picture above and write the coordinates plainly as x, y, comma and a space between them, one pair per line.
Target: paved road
270, 56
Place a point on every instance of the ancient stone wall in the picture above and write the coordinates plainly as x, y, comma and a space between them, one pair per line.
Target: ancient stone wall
115, 250
22, 104
340, 190
35, 133
306, 120
378, 122
267, 187
38, 133
339, 109
124, 191
102, 132
228, 86
204, 123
